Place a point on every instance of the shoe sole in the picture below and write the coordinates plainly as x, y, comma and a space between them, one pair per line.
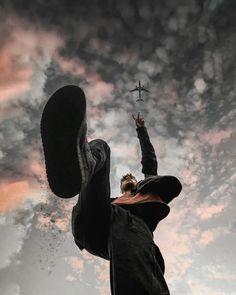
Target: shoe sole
63, 121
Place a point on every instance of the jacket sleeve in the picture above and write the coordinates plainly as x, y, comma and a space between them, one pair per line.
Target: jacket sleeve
149, 160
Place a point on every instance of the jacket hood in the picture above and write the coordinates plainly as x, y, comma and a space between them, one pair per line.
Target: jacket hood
167, 187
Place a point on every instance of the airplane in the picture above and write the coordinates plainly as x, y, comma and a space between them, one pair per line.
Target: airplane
139, 88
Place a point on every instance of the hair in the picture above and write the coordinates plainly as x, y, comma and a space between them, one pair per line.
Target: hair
124, 178
127, 175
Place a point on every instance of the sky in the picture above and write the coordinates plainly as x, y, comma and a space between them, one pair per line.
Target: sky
184, 53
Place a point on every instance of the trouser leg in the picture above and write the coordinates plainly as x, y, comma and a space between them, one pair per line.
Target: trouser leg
91, 215
134, 260
75, 167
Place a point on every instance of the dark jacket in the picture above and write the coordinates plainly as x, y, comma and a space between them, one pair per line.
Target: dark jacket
166, 186
137, 265
148, 160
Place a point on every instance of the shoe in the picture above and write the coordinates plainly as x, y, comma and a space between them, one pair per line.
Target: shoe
68, 157
101, 152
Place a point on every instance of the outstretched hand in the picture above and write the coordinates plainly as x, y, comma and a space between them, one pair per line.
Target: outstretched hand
139, 121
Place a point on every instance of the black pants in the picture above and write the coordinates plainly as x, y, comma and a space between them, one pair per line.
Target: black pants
113, 233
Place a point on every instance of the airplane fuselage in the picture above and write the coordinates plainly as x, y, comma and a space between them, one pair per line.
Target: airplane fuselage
139, 88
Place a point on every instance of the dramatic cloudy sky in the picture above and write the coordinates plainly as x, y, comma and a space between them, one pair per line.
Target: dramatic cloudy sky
184, 52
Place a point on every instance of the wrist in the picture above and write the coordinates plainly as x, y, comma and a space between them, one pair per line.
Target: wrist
140, 127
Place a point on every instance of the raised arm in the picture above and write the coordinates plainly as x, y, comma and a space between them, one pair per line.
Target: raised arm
149, 160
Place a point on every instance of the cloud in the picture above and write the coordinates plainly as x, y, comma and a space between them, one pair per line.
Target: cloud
15, 79
209, 236
215, 136
25, 52
106, 49
44, 222
176, 241
125, 150
103, 290
99, 91
219, 272
181, 235
85, 262
200, 85
207, 211
189, 178
102, 270
76, 263
13, 242
19, 57
71, 278
54, 214
8, 288
13, 194
15, 228
199, 288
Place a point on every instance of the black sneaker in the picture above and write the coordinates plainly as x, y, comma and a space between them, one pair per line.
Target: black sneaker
68, 158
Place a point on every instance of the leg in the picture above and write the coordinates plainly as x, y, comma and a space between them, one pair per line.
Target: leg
73, 166
135, 260
91, 215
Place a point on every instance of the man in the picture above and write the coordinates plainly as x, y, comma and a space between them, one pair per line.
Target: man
118, 229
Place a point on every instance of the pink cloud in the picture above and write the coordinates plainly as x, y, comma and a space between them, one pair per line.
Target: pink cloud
206, 237
103, 271
210, 235
199, 288
178, 245
96, 91
34, 164
60, 217
13, 194
73, 66
87, 256
128, 151
206, 211
62, 223
215, 136
103, 290
26, 47
224, 275
15, 79
76, 263
44, 222
189, 178
175, 243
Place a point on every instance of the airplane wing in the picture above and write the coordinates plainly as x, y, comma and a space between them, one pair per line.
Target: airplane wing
133, 89
145, 90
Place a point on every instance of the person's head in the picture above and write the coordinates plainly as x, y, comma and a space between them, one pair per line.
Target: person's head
128, 183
